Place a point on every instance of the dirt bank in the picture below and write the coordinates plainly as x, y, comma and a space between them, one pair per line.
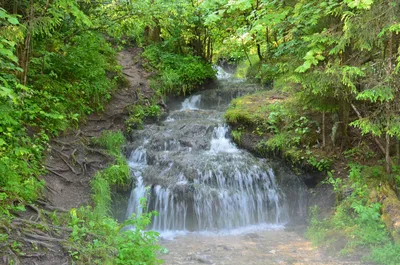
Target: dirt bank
71, 163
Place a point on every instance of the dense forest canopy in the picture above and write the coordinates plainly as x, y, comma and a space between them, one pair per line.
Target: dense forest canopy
339, 58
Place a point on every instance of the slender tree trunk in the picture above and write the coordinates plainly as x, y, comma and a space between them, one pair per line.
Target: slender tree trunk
259, 52
387, 155
27, 46
323, 130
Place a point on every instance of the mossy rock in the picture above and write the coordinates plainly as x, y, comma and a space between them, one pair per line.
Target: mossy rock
391, 212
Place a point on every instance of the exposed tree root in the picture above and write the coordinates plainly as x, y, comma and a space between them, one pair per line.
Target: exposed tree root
59, 175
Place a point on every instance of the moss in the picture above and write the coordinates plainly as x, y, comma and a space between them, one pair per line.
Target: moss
281, 126
391, 212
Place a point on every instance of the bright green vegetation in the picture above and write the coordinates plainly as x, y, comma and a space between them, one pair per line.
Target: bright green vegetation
96, 238
281, 126
334, 66
142, 111
338, 63
70, 75
357, 226
57, 65
177, 74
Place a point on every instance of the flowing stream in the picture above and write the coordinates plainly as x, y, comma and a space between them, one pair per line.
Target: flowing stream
198, 180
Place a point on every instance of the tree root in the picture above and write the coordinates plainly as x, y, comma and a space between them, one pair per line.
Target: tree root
14, 256
40, 243
59, 175
69, 165
43, 238
25, 221
39, 214
99, 151
51, 208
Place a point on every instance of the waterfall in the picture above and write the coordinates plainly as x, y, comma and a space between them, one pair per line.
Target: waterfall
197, 179
227, 191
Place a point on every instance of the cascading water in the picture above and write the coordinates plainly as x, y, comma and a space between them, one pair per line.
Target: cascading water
196, 178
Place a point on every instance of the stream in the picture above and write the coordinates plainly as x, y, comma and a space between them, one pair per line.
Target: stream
215, 201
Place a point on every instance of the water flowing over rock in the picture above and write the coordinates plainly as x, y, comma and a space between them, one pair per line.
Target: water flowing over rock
195, 177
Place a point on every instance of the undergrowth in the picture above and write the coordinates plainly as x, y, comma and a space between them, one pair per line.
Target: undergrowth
70, 82
356, 226
177, 74
141, 112
282, 126
96, 237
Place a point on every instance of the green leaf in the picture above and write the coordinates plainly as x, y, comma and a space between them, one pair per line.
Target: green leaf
13, 20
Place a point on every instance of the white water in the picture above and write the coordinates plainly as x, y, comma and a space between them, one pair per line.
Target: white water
191, 103
198, 181
221, 144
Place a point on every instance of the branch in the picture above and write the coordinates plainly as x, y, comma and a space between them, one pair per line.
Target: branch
381, 148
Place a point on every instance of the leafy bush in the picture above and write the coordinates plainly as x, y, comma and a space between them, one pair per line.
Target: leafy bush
177, 74
356, 222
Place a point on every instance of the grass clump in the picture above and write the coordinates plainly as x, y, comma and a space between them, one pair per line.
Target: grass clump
177, 74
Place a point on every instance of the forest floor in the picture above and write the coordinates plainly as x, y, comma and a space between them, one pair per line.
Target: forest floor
71, 162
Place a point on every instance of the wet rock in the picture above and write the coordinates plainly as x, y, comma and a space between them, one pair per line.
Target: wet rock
201, 259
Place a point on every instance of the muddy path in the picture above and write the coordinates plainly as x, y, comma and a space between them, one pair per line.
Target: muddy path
255, 248
71, 162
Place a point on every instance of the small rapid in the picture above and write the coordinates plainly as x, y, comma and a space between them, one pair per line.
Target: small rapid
198, 180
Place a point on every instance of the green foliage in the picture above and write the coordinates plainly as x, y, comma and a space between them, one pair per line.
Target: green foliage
98, 239
387, 255
356, 222
177, 74
237, 135
116, 174
139, 113
111, 140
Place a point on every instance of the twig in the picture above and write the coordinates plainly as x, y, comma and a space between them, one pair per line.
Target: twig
128, 75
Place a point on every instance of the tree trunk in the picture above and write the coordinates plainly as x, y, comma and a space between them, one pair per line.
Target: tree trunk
259, 52
387, 155
323, 130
